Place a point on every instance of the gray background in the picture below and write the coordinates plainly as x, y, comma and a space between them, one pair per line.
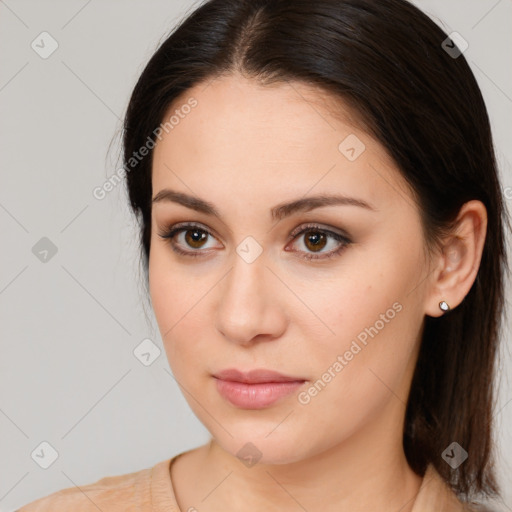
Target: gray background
69, 325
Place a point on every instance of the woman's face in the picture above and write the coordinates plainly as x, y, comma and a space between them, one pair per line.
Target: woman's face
247, 293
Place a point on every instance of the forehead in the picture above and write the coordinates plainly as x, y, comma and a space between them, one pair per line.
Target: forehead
282, 118
278, 140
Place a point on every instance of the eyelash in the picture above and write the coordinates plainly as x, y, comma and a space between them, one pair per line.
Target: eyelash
174, 230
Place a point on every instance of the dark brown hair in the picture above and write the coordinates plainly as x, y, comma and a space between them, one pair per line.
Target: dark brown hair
386, 60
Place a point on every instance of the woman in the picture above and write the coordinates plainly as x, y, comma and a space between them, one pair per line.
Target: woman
323, 230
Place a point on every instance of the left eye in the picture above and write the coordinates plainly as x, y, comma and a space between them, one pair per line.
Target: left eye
315, 239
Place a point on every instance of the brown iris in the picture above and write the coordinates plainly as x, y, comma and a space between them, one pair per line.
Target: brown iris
317, 240
196, 239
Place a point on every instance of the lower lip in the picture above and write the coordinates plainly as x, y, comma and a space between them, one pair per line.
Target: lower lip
255, 396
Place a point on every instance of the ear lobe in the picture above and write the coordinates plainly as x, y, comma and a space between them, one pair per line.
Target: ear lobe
459, 260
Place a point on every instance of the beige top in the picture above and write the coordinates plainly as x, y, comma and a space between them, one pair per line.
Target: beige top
151, 490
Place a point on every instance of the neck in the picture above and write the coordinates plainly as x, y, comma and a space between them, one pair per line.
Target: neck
367, 471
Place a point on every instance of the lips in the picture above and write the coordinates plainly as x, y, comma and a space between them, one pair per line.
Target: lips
255, 376
255, 389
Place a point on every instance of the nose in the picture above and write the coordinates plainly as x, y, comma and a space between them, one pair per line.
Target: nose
249, 309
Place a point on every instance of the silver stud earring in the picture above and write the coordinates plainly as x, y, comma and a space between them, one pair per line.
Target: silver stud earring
444, 306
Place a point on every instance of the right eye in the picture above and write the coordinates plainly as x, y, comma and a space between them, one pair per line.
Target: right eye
187, 235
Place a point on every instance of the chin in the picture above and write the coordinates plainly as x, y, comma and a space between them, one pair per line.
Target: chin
257, 447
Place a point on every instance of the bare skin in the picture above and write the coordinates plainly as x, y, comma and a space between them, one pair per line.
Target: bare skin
246, 148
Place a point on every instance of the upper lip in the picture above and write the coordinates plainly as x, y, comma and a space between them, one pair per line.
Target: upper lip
254, 376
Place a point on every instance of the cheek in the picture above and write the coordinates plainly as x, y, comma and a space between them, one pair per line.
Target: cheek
371, 327
178, 301
370, 295
343, 306
160, 286
173, 291
365, 370
166, 289
367, 331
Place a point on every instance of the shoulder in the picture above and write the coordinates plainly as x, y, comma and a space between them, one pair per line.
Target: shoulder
113, 493
479, 507
435, 494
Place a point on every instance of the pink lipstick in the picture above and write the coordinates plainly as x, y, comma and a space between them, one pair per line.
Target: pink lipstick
255, 389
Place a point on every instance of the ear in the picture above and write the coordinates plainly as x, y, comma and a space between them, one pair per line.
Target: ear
457, 264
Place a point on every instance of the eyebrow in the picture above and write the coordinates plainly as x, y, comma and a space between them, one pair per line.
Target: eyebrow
277, 213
